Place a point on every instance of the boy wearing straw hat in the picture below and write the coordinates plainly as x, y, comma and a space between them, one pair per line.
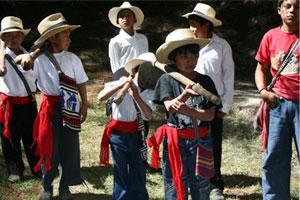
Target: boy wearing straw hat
187, 114
18, 106
56, 139
128, 44
122, 134
282, 110
215, 61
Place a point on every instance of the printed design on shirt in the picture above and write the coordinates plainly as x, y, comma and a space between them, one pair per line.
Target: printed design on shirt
70, 103
195, 102
293, 64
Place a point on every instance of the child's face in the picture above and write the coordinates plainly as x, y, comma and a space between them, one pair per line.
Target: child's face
126, 19
61, 41
186, 62
13, 40
289, 12
198, 29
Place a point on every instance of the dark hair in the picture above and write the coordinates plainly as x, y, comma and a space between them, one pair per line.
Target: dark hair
279, 2
118, 15
192, 48
202, 21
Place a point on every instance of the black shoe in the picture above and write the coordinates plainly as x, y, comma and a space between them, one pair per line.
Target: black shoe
65, 194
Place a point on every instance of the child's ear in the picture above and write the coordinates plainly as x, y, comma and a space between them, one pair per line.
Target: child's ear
279, 10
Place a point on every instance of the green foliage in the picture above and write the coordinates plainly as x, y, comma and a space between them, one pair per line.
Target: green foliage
244, 23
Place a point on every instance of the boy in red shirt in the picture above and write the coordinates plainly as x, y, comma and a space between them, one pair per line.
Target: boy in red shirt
282, 101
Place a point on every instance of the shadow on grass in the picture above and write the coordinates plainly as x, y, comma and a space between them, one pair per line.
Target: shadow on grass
88, 196
96, 175
241, 180
245, 197
238, 129
254, 196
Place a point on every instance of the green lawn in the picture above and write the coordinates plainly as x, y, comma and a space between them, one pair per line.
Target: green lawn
242, 156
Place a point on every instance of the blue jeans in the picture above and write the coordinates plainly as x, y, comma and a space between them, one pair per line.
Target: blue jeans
129, 168
283, 127
199, 187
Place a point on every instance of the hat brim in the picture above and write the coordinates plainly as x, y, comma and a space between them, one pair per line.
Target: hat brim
133, 64
139, 15
143, 58
24, 31
119, 73
165, 49
214, 21
54, 31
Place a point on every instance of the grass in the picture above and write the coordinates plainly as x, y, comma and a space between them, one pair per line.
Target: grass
241, 167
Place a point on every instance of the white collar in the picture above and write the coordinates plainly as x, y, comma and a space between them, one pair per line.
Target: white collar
11, 53
126, 35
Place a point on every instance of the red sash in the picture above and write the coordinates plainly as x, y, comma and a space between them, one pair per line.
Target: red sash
174, 153
121, 126
6, 110
42, 131
291, 95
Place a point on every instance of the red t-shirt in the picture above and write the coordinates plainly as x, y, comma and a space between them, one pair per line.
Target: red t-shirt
273, 47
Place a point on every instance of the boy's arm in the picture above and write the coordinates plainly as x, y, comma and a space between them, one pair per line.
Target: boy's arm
228, 80
2, 60
113, 53
260, 80
178, 105
144, 108
109, 91
83, 96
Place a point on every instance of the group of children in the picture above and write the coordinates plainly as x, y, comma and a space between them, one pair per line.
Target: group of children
190, 117
51, 136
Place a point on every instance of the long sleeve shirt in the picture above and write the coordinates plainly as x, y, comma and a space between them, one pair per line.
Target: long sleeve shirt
124, 47
215, 60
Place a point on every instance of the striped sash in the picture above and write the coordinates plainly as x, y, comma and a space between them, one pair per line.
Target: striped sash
205, 156
142, 131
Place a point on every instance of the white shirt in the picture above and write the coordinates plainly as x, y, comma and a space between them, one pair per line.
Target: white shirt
11, 83
126, 110
47, 76
125, 47
215, 60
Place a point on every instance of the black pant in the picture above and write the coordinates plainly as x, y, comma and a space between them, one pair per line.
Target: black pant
21, 127
217, 132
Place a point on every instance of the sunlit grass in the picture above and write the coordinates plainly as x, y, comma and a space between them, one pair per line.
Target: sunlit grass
241, 166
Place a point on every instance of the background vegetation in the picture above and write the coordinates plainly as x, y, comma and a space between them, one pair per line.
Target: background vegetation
245, 22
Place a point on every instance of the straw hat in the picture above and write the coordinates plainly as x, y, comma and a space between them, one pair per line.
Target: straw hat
205, 11
133, 63
119, 73
175, 39
113, 14
52, 25
12, 24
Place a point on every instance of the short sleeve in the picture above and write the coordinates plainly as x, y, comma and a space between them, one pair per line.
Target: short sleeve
80, 75
263, 53
208, 84
163, 89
